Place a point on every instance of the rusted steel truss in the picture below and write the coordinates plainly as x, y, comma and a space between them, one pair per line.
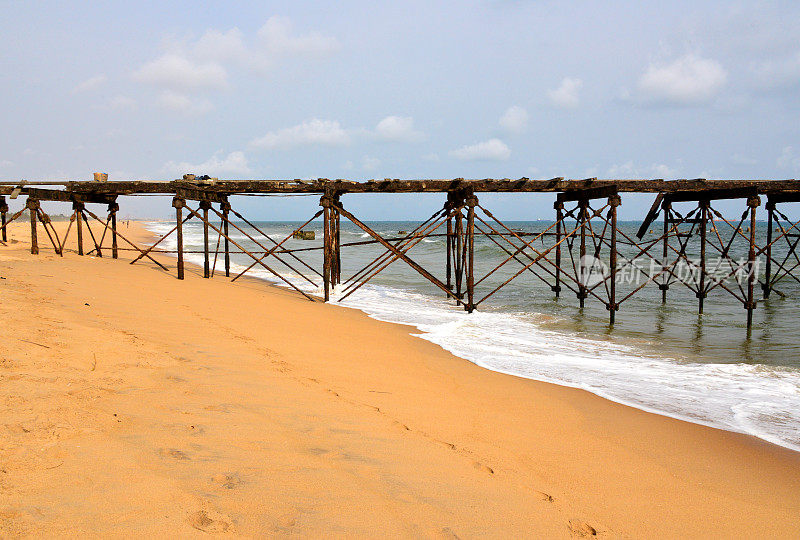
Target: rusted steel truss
583, 250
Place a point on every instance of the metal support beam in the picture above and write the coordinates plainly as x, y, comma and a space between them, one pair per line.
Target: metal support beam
205, 205
559, 208
752, 203
471, 201
78, 208
766, 287
33, 208
3, 213
113, 208
701, 286
226, 208
325, 202
583, 217
664, 286
613, 201
178, 204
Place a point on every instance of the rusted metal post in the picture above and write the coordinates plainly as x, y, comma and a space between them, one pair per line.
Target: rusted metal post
325, 202
767, 286
559, 208
664, 286
472, 201
178, 204
3, 212
449, 243
205, 205
226, 208
614, 201
33, 207
457, 256
78, 207
583, 204
336, 257
753, 203
701, 288
113, 208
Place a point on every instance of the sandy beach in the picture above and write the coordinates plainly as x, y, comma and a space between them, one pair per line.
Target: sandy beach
134, 403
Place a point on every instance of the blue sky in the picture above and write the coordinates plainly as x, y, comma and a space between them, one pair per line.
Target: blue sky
414, 90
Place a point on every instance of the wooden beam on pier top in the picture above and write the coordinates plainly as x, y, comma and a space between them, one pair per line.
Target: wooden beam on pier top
341, 187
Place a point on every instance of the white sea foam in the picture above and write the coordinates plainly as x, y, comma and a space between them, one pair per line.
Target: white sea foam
759, 400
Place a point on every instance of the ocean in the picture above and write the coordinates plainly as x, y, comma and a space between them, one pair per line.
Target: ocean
661, 358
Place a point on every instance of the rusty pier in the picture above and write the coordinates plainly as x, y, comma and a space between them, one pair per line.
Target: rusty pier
684, 215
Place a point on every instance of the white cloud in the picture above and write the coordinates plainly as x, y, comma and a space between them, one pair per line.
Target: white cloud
685, 81
566, 96
788, 159
491, 150
630, 170
178, 73
311, 132
234, 164
663, 171
276, 37
221, 47
514, 120
5, 163
398, 129
183, 104
91, 83
370, 163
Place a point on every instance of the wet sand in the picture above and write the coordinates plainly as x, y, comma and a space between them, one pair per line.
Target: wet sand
134, 403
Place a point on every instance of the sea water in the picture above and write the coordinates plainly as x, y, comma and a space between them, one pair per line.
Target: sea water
662, 358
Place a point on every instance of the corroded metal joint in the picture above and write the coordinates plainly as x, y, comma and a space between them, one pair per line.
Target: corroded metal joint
32, 204
205, 205
558, 205
113, 208
614, 200
225, 206
78, 205
754, 201
178, 202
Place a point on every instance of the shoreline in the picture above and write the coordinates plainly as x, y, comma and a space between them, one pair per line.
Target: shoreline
422, 333
558, 458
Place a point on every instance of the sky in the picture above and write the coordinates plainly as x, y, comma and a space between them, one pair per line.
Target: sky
360, 90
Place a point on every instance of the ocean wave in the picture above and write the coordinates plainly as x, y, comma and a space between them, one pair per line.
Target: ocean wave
763, 401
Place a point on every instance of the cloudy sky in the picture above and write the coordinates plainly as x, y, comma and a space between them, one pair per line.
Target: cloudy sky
414, 90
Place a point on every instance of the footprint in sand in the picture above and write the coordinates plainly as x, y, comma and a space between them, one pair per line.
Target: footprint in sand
445, 533
543, 496
482, 467
228, 481
209, 521
173, 453
580, 528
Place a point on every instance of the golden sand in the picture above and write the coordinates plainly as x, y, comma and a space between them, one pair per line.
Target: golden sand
137, 404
